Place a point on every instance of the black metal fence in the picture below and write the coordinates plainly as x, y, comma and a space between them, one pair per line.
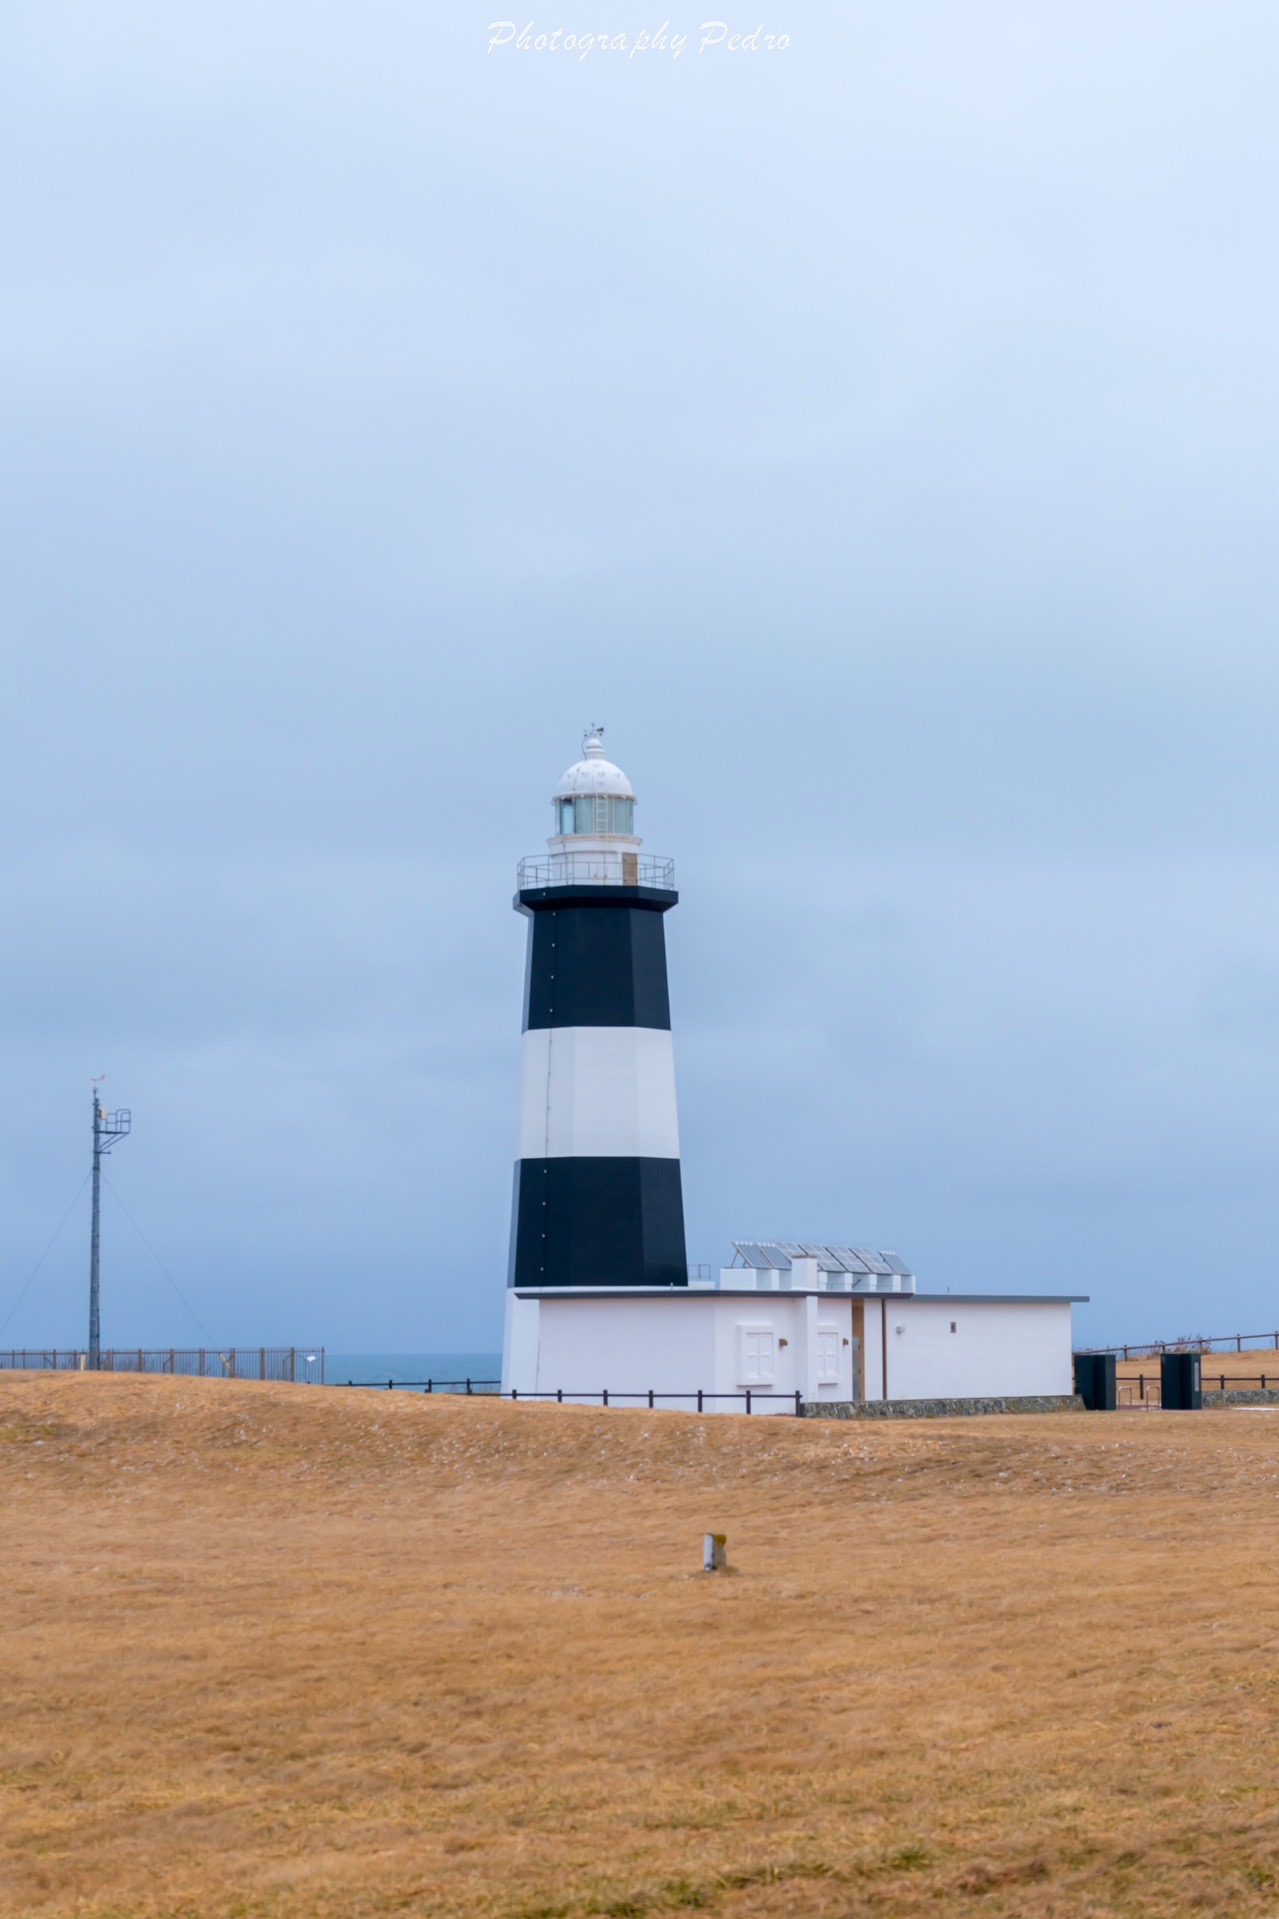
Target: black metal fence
749, 1399
1145, 1389
1191, 1343
304, 1364
489, 1387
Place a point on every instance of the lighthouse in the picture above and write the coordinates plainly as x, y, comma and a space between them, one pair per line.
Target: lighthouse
601, 1307
597, 1200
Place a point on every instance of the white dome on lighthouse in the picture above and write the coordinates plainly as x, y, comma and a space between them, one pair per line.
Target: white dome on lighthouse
594, 803
593, 773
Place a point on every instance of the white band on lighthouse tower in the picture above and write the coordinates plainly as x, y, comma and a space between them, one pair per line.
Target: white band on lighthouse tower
606, 1090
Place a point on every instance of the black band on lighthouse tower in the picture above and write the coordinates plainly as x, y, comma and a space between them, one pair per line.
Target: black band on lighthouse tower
597, 1199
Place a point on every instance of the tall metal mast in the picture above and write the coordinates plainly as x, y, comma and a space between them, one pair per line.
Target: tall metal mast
107, 1129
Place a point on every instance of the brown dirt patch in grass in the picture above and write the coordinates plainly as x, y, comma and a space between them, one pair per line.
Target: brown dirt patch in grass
291, 1653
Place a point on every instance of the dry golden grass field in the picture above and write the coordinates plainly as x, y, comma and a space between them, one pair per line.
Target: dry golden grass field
292, 1653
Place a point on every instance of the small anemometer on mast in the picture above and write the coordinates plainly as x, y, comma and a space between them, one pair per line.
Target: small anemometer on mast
107, 1129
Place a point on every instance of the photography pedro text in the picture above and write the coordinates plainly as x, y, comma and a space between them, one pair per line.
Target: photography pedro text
711, 34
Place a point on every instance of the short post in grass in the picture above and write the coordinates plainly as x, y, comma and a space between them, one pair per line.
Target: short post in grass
715, 1553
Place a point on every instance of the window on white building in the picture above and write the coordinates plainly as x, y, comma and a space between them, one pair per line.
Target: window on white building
828, 1355
756, 1352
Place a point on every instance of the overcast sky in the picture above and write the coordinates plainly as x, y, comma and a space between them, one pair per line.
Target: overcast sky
876, 434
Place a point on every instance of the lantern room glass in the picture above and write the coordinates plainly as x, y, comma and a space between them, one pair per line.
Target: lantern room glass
596, 814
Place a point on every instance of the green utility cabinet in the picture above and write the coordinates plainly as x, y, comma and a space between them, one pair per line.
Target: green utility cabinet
1181, 1382
1095, 1381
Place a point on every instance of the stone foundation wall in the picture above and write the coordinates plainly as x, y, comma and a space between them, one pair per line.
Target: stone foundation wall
1243, 1396
950, 1408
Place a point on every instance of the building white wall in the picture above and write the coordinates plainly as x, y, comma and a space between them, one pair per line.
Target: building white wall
519, 1342
999, 1349
776, 1319
623, 1345
680, 1345
714, 1341
873, 1374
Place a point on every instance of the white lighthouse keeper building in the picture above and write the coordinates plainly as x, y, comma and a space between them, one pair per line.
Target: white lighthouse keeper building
599, 1297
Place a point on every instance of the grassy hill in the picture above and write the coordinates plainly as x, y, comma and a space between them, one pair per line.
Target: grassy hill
291, 1653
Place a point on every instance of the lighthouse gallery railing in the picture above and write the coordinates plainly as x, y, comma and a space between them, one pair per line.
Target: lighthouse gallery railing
595, 869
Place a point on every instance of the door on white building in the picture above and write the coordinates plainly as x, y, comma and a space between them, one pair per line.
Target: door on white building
828, 1356
757, 1356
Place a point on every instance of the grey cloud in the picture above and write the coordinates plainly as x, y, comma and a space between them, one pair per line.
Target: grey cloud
881, 443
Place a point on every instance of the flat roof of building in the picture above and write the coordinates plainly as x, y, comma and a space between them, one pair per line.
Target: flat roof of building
797, 1292
985, 1299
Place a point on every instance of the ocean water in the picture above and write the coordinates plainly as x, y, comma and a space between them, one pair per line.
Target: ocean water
410, 1369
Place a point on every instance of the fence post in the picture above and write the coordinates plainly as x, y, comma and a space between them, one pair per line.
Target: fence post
141, 1368
797, 1403
699, 1399
468, 1385
605, 1396
1141, 1381
514, 1395
559, 1395
1238, 1342
261, 1362
650, 1399
748, 1399
390, 1385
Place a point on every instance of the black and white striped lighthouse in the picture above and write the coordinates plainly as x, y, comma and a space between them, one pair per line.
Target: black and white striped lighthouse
597, 1181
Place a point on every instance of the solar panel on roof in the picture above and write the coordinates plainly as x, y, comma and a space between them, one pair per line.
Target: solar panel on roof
831, 1259
766, 1255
